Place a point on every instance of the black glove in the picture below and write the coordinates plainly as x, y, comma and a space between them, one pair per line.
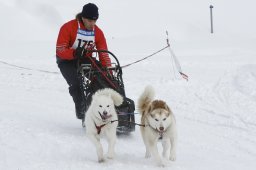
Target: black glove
79, 52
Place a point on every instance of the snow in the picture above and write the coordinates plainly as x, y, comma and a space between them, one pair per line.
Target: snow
215, 110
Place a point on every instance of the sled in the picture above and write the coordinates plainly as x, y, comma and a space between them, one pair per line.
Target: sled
94, 77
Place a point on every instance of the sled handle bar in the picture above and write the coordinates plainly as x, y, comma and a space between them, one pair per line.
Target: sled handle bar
88, 67
105, 51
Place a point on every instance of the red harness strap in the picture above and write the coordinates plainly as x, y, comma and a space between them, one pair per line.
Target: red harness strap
99, 127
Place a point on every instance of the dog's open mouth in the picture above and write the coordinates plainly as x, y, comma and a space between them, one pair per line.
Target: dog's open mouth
161, 129
104, 117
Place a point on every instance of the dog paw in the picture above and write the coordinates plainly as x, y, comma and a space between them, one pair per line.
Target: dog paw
161, 164
101, 160
172, 157
110, 156
147, 154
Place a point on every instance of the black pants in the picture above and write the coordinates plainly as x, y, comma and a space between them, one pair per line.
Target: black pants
68, 69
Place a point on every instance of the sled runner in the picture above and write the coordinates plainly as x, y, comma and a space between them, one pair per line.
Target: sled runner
94, 76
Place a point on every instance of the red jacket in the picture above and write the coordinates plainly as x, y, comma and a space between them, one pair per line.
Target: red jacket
67, 36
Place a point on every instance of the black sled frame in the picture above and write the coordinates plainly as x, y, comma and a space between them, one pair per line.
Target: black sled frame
94, 77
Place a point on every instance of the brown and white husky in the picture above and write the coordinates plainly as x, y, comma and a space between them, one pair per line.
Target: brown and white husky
159, 123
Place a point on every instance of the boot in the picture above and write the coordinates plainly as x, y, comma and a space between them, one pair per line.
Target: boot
77, 96
80, 110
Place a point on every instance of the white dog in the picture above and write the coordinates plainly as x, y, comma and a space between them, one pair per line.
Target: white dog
101, 118
159, 123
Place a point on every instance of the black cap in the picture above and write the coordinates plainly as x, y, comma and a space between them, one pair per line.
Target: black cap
90, 11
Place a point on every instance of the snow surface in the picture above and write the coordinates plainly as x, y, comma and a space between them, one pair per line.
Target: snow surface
215, 109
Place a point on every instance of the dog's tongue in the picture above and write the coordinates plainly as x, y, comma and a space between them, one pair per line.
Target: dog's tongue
161, 130
106, 116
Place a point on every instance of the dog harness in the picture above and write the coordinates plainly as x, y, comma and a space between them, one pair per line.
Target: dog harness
99, 128
161, 133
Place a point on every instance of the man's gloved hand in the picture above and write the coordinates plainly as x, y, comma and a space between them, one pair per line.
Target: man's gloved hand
79, 52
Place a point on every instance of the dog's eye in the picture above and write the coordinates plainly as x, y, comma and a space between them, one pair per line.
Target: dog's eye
164, 119
100, 105
156, 120
107, 105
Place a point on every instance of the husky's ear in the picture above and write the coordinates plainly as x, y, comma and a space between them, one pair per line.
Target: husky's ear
150, 108
167, 108
94, 96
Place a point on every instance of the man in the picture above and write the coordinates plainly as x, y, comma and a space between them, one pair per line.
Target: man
73, 36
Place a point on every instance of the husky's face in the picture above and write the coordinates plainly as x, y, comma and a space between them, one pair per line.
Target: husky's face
160, 119
103, 107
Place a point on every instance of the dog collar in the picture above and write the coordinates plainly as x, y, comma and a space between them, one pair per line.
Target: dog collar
161, 133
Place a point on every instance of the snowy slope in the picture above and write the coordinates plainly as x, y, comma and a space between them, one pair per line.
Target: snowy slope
215, 109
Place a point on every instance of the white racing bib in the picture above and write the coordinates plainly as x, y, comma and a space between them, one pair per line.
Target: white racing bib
84, 36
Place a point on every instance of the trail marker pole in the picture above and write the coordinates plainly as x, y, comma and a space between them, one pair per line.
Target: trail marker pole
211, 18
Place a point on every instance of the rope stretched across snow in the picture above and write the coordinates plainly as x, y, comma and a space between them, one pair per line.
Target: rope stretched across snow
26, 68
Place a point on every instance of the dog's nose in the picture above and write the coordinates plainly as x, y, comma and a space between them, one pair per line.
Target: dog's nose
161, 128
105, 113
